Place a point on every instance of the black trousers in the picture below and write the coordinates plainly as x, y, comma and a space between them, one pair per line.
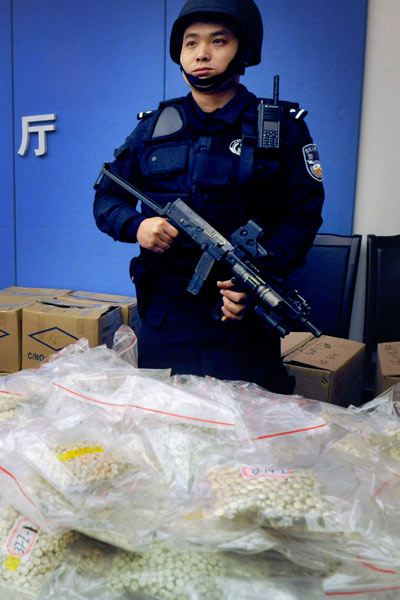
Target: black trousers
180, 334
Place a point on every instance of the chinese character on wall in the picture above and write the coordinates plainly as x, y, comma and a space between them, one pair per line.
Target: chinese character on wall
41, 129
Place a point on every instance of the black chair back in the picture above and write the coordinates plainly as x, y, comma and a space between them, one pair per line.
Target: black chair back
382, 301
327, 281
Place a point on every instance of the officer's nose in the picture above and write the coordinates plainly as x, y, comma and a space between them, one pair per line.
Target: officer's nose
203, 54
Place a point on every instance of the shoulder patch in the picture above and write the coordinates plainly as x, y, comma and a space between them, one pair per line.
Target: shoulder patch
312, 162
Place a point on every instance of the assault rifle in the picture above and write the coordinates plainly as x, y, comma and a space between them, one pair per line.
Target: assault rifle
279, 307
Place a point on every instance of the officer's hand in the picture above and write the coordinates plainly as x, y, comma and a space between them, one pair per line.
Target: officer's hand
234, 302
156, 234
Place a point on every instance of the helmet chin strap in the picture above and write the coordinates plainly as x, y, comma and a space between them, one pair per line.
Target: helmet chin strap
211, 84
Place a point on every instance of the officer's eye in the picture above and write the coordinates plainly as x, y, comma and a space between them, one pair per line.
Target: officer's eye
220, 41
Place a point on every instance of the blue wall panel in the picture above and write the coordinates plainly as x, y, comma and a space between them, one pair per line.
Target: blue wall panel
7, 260
95, 65
317, 48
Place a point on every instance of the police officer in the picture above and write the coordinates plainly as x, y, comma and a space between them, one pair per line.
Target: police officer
203, 148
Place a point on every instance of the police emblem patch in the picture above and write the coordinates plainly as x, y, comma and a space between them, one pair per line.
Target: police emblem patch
311, 159
236, 147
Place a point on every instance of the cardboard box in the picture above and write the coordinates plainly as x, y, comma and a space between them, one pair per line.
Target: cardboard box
328, 369
387, 366
34, 292
10, 332
128, 305
49, 326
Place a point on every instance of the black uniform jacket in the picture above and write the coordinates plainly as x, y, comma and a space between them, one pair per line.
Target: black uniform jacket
197, 156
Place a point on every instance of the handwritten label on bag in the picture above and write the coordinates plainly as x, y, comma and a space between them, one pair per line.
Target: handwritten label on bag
21, 541
257, 472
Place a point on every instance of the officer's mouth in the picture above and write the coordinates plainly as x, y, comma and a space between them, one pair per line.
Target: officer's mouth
202, 72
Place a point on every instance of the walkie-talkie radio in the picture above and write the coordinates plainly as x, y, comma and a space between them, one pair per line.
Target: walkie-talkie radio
269, 117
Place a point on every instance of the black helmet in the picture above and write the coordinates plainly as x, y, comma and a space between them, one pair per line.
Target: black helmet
243, 14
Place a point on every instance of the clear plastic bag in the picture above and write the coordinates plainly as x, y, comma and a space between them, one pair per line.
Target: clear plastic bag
82, 573
80, 474
363, 580
132, 523
201, 530
135, 458
387, 403
37, 384
310, 494
28, 555
23, 488
144, 400
180, 449
97, 572
277, 424
86, 461
10, 403
370, 436
125, 345
278, 588
338, 553
168, 574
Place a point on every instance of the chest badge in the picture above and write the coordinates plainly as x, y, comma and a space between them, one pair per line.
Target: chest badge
236, 147
311, 159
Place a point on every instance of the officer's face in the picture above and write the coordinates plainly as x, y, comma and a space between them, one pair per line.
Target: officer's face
207, 49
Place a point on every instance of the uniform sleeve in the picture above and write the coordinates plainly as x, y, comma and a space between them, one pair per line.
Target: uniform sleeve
114, 209
302, 201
